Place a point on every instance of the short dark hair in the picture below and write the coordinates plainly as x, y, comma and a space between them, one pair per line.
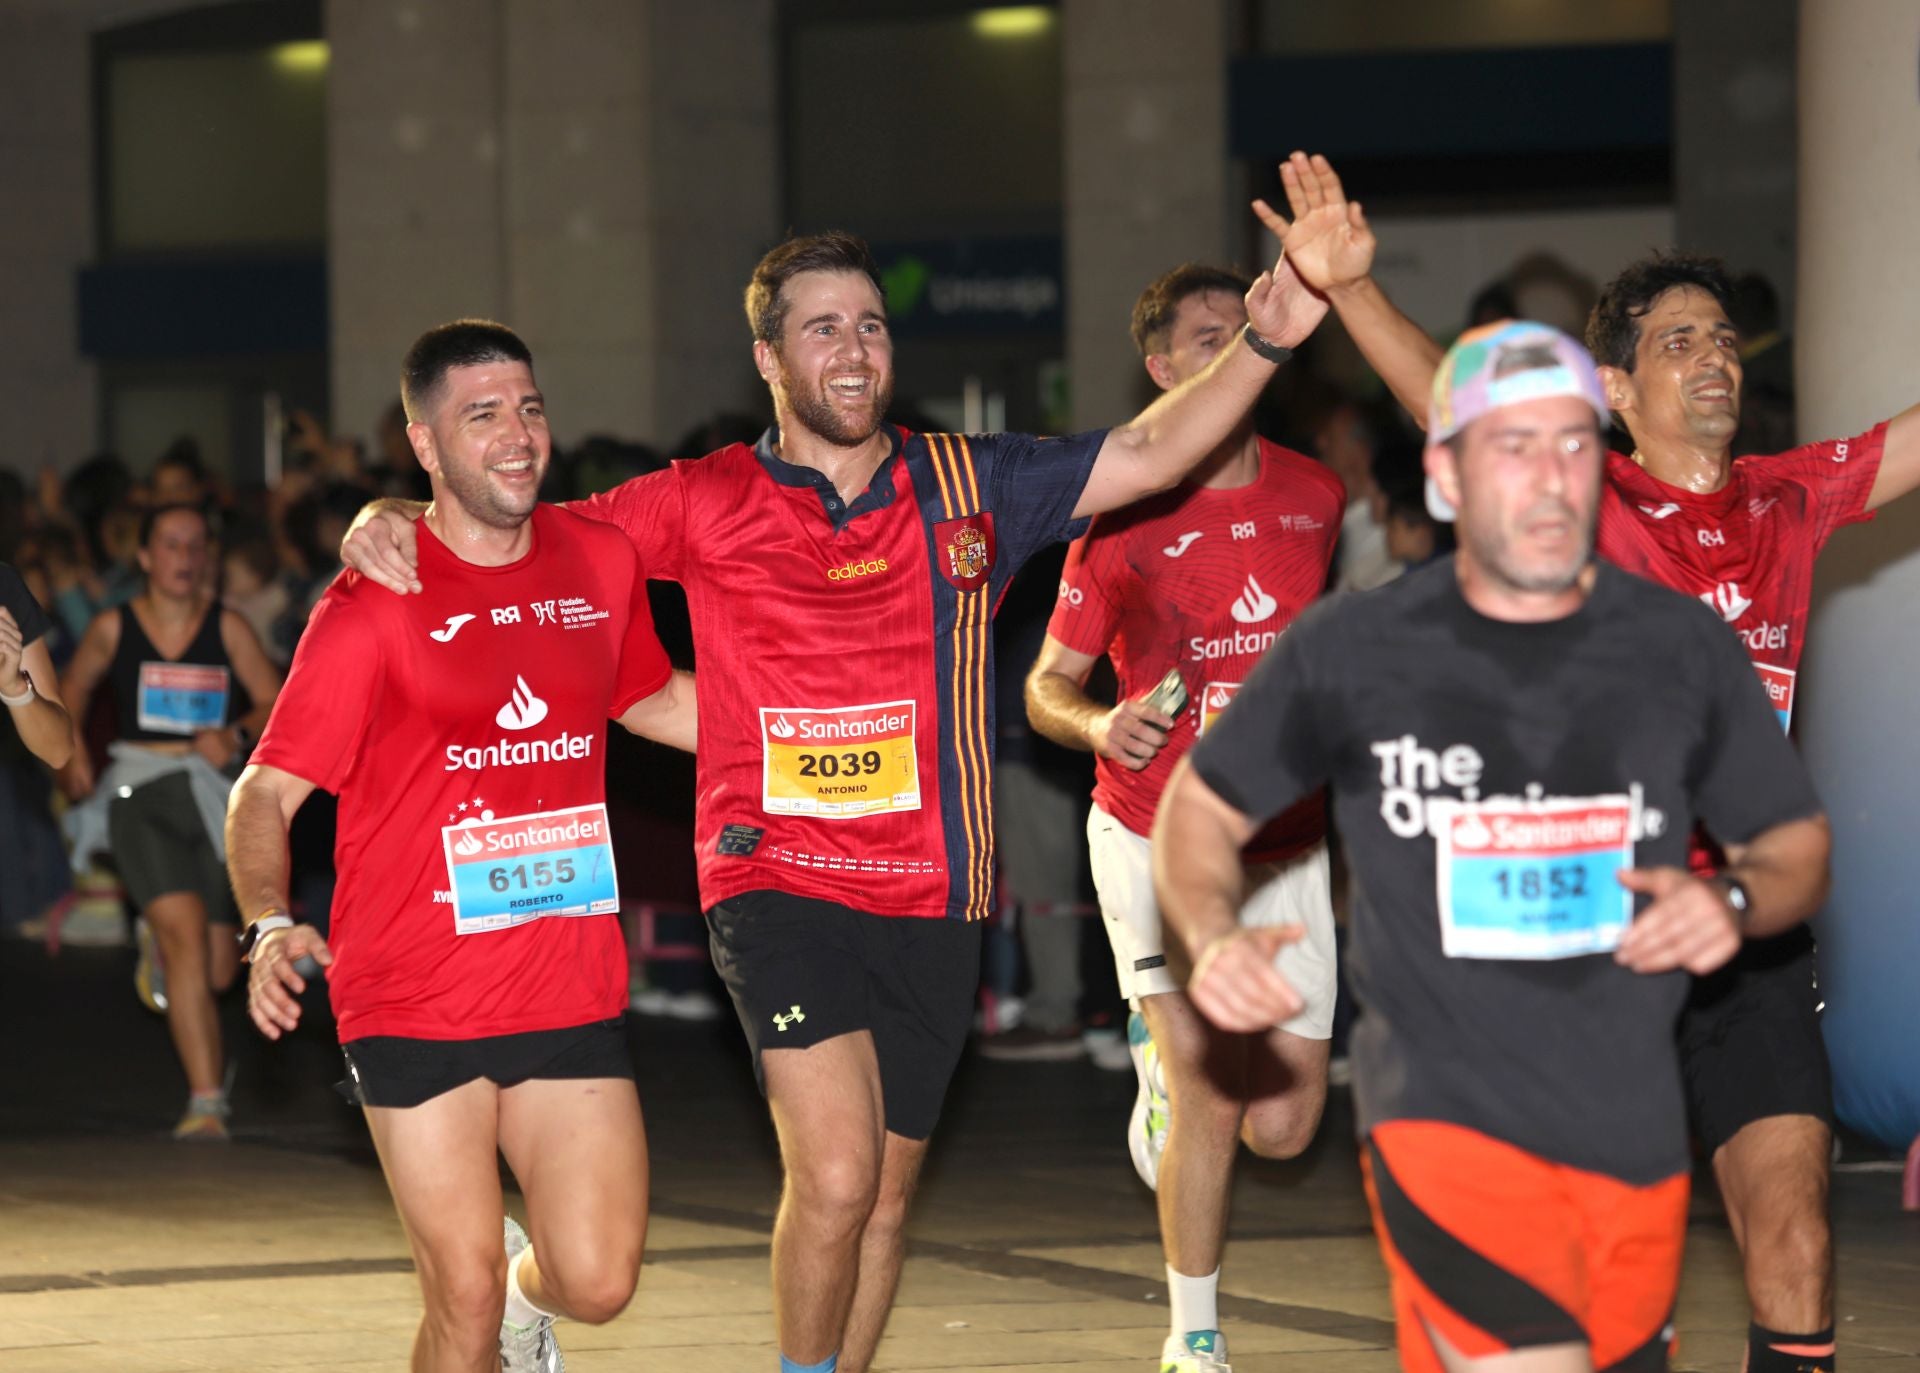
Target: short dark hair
150, 520
1153, 313
462, 343
834, 251
183, 453
1613, 329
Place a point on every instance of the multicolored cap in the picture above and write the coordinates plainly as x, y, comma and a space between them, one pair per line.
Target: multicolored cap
1503, 364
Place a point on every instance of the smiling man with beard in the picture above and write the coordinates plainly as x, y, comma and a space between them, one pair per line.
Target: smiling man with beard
841, 575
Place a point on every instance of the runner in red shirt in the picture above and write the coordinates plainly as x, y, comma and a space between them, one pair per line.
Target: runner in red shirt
475, 960
1199, 582
841, 576
1742, 534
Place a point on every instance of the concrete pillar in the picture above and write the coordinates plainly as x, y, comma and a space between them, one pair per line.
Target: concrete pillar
1734, 127
1147, 175
599, 174
1857, 338
47, 390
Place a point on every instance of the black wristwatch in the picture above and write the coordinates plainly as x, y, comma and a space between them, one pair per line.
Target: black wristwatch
1739, 899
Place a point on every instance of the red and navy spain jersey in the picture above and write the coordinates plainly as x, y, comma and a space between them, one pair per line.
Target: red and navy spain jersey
844, 656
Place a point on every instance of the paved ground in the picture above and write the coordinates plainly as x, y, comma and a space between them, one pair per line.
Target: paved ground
1033, 1245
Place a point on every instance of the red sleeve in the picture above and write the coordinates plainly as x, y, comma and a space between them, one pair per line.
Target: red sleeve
650, 510
1838, 474
1087, 614
332, 691
644, 668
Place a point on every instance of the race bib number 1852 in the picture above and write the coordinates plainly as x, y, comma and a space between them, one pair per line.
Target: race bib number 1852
525, 867
1534, 880
840, 763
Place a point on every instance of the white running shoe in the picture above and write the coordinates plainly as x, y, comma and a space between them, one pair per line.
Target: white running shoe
1197, 1351
1147, 1130
527, 1348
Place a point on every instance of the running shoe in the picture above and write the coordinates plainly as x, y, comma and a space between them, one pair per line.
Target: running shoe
1197, 1351
149, 975
527, 1348
1147, 1130
205, 1120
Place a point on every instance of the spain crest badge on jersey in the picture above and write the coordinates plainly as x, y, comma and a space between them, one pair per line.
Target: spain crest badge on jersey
964, 549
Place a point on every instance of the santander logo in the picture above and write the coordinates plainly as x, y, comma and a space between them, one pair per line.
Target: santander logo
524, 710
1253, 604
1727, 600
781, 728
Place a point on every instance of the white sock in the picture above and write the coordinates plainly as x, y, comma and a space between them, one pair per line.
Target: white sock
520, 1312
1195, 1301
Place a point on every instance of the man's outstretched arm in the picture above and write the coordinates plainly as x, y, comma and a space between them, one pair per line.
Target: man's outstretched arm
1331, 246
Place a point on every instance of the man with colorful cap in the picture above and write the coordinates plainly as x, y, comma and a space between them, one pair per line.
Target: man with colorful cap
1742, 535
1517, 797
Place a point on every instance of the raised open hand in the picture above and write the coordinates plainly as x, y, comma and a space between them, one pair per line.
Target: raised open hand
1328, 240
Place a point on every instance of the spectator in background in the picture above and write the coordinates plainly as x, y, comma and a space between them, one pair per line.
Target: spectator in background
1344, 440
28, 689
39, 732
179, 476
1766, 364
1040, 822
1414, 537
252, 585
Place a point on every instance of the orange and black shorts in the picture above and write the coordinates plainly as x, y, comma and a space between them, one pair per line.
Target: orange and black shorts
1495, 1249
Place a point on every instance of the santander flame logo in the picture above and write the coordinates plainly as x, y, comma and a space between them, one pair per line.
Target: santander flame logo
782, 728
524, 710
1219, 698
1253, 605
1727, 600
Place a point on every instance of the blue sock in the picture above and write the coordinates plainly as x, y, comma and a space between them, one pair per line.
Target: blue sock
826, 1365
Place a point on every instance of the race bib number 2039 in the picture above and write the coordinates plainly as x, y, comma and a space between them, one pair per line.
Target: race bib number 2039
839, 763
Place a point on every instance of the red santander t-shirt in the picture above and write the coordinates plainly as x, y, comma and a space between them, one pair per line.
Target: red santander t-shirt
1205, 580
464, 731
1748, 549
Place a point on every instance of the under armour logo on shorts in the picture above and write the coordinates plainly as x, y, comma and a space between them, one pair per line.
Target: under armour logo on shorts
780, 1022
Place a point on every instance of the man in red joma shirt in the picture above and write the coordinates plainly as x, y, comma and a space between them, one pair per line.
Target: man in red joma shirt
841, 576
475, 961
1742, 534
1197, 582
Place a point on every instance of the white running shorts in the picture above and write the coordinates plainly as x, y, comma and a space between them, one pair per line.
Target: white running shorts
1298, 891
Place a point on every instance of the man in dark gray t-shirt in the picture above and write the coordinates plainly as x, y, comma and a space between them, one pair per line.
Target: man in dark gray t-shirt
1519, 742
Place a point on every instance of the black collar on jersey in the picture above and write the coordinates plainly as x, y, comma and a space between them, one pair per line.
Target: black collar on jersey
877, 496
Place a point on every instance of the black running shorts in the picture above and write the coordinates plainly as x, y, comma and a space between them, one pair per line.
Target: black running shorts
802, 971
160, 846
388, 1070
1750, 1043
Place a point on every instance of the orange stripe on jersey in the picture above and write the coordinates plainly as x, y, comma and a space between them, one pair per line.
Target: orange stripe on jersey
968, 667
975, 713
